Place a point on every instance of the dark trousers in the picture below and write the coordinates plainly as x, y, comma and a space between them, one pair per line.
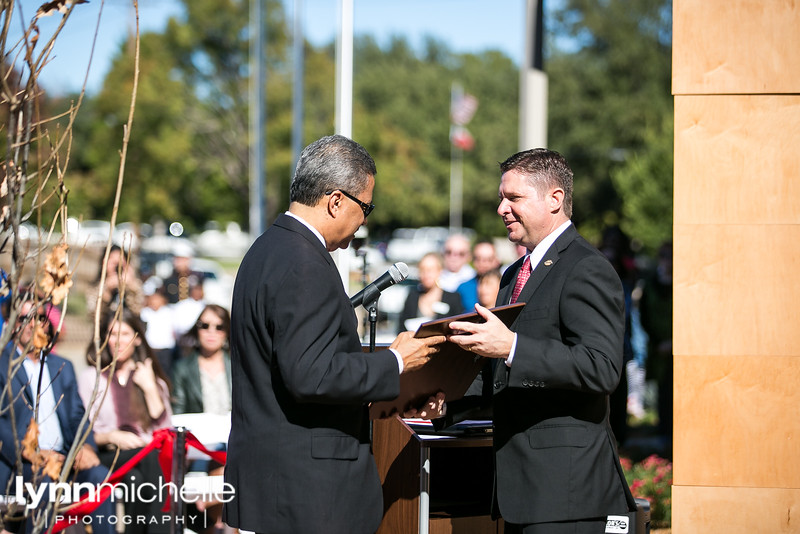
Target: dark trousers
592, 526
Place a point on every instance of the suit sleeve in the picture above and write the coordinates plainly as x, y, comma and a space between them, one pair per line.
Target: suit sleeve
317, 346
584, 351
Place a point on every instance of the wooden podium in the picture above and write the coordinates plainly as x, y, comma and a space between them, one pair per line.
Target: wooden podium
432, 483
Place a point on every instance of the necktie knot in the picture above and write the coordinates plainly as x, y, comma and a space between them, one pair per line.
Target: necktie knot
522, 278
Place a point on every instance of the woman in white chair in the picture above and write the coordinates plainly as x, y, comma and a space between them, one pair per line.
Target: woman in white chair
202, 384
202, 380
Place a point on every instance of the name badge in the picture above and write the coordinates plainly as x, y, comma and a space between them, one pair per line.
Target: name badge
617, 524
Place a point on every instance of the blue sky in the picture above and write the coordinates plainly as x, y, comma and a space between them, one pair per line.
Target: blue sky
465, 25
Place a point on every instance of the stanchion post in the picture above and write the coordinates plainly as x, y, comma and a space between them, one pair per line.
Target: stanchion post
177, 506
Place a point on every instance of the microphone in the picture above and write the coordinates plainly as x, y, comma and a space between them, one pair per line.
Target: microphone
396, 273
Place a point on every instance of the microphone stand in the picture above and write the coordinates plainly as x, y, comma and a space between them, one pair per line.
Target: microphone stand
364, 280
370, 302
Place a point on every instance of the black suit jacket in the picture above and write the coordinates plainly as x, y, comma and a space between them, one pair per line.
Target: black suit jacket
69, 408
556, 457
299, 454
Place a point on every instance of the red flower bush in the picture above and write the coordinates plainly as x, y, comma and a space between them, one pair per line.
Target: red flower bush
651, 479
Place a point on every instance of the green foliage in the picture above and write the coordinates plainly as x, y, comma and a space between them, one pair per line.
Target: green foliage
609, 114
604, 98
646, 182
405, 103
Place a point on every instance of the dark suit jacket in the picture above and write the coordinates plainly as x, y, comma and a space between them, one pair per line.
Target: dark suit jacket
299, 452
556, 456
69, 407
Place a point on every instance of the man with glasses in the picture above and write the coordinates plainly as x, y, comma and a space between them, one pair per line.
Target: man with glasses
484, 260
35, 382
299, 453
457, 269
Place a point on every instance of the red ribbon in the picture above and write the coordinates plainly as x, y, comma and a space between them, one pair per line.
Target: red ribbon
163, 439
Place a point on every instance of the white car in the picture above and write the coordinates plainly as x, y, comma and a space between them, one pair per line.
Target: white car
410, 244
89, 233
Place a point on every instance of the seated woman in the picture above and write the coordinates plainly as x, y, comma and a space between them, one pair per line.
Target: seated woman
136, 403
203, 385
121, 281
202, 381
428, 301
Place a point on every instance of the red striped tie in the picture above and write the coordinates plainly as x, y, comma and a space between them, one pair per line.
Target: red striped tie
522, 277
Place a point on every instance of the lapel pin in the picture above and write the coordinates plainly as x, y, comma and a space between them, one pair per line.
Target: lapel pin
548, 262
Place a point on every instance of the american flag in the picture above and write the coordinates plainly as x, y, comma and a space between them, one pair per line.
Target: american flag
462, 138
462, 108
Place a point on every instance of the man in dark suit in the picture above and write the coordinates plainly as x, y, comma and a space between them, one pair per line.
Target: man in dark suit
60, 411
299, 454
557, 467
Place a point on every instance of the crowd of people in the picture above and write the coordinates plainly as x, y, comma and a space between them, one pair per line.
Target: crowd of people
594, 326
163, 350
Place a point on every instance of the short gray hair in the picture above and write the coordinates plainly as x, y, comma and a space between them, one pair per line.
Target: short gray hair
331, 163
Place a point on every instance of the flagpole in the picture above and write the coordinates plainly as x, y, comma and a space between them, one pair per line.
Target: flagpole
456, 169
257, 119
344, 103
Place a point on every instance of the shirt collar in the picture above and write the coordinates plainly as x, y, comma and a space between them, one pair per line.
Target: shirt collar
308, 225
544, 245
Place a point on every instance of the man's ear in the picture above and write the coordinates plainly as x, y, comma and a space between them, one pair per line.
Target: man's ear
556, 199
334, 203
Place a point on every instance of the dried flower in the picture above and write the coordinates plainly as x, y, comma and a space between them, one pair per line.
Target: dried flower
30, 443
56, 280
52, 465
40, 338
48, 462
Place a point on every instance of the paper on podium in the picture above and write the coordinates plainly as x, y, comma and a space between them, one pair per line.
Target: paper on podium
451, 370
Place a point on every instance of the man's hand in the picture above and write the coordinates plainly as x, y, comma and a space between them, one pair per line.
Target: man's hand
416, 351
433, 408
491, 339
86, 458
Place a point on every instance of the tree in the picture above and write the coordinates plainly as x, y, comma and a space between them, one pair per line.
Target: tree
606, 94
405, 103
36, 275
191, 141
646, 180
162, 170
609, 98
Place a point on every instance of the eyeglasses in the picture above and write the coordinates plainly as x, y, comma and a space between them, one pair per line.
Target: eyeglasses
366, 208
449, 252
206, 326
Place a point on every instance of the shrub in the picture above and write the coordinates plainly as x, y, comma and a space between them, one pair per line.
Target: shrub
651, 479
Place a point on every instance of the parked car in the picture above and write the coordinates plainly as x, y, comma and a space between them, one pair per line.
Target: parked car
410, 244
90, 233
231, 243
